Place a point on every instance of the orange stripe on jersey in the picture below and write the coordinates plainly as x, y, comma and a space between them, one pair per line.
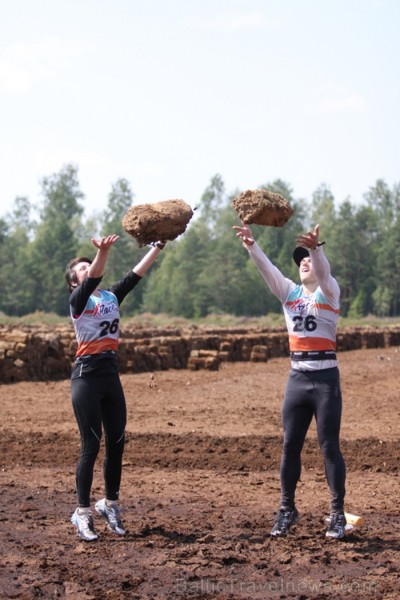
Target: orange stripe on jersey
328, 307
310, 343
96, 347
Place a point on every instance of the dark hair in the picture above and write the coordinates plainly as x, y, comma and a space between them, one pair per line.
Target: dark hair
70, 273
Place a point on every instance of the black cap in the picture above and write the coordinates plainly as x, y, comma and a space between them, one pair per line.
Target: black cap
299, 253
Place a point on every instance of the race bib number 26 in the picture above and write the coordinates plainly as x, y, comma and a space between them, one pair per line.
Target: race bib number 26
308, 323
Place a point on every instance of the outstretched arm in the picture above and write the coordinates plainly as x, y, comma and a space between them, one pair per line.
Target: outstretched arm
321, 266
148, 259
277, 283
122, 287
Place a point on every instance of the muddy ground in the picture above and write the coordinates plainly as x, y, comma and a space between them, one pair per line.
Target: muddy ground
200, 488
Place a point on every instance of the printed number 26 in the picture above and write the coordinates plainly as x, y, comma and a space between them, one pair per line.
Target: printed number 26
108, 327
309, 323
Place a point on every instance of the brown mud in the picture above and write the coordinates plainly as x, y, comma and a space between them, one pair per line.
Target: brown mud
200, 488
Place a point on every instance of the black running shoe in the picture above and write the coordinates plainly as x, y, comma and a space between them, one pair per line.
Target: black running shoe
337, 526
284, 520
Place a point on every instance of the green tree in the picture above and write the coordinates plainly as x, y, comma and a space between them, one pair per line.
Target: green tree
384, 206
15, 276
181, 287
385, 203
56, 241
206, 269
212, 201
176, 288
387, 291
323, 212
345, 254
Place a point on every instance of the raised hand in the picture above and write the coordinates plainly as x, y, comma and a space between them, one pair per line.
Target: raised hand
106, 242
309, 239
244, 232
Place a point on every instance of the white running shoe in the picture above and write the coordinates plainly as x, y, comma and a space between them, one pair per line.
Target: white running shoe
111, 514
83, 522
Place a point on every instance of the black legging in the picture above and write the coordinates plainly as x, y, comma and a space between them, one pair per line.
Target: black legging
311, 393
99, 401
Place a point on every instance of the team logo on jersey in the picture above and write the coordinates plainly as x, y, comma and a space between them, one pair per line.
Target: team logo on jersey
298, 305
302, 304
103, 309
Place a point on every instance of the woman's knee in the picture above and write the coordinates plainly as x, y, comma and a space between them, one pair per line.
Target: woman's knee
292, 448
90, 449
330, 450
115, 445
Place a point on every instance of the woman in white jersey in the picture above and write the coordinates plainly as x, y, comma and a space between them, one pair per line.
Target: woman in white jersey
311, 312
97, 396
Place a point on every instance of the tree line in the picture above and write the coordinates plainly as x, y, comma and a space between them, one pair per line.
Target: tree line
206, 270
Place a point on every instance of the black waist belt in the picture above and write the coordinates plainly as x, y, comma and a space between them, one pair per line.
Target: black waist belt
313, 355
105, 354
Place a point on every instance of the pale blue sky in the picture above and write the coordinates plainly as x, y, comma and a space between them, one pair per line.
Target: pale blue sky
169, 93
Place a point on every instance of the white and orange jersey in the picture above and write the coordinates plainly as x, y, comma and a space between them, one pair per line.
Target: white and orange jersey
311, 320
97, 328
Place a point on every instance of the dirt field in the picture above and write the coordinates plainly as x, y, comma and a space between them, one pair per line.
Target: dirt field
200, 488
